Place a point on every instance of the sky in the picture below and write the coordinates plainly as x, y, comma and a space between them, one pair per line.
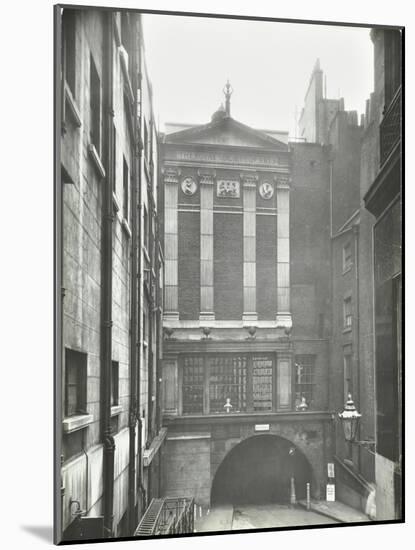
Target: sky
268, 64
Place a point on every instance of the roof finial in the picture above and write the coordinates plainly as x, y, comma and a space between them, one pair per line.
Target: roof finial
228, 91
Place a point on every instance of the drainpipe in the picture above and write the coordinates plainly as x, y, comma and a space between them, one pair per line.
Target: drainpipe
150, 292
132, 424
106, 288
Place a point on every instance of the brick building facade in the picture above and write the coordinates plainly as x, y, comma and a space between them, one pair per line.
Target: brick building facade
382, 197
108, 431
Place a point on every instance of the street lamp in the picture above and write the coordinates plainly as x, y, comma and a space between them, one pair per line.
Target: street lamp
350, 419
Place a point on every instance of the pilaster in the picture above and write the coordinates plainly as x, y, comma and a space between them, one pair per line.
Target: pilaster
283, 252
206, 181
171, 305
249, 248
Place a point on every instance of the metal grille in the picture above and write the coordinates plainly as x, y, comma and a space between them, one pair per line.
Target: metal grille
228, 379
193, 383
262, 383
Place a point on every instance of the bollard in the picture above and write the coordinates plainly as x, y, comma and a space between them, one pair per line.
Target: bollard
292, 493
308, 497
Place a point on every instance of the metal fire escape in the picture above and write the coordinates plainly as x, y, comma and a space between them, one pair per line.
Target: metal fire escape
167, 516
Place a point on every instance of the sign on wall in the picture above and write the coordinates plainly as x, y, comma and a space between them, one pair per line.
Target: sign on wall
330, 492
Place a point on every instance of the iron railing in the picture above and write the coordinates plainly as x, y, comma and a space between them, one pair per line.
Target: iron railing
390, 127
167, 516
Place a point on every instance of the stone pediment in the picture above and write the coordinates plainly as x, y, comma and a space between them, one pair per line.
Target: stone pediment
227, 132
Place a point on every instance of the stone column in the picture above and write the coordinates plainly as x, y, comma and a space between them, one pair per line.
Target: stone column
206, 180
250, 315
171, 306
283, 253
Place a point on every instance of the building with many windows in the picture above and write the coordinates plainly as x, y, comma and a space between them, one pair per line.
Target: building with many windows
383, 199
108, 432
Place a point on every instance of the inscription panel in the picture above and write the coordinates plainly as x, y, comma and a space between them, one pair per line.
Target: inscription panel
224, 157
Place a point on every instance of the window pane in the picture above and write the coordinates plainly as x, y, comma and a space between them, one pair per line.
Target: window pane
304, 368
262, 383
193, 383
75, 382
228, 379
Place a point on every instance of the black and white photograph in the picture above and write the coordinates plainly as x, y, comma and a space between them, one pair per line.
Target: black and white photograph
228, 290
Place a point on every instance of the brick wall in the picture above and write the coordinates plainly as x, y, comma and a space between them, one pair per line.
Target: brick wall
310, 241
266, 266
228, 266
189, 264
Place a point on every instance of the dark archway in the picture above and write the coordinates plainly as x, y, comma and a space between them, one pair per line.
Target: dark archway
258, 470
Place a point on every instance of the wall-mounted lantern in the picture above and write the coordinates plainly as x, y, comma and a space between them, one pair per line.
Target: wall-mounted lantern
350, 419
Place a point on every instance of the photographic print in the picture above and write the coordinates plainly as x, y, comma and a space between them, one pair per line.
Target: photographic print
228, 297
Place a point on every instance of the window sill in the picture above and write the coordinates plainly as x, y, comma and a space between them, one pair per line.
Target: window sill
126, 227
78, 422
115, 202
73, 108
346, 270
97, 161
116, 410
346, 330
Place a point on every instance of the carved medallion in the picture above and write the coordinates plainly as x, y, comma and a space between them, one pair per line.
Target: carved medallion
228, 188
189, 186
266, 190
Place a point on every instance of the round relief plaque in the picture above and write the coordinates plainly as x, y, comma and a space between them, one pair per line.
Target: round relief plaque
189, 186
266, 190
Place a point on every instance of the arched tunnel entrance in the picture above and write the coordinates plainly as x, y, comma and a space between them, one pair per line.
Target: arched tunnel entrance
258, 470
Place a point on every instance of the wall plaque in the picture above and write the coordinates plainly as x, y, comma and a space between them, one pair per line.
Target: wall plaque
330, 492
266, 190
228, 188
189, 186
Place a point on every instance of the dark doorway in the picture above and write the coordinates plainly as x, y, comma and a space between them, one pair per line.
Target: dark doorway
258, 470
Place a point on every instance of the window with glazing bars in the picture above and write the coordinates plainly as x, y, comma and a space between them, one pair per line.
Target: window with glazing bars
304, 378
75, 382
193, 384
228, 379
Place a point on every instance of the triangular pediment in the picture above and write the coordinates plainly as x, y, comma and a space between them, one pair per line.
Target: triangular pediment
227, 132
